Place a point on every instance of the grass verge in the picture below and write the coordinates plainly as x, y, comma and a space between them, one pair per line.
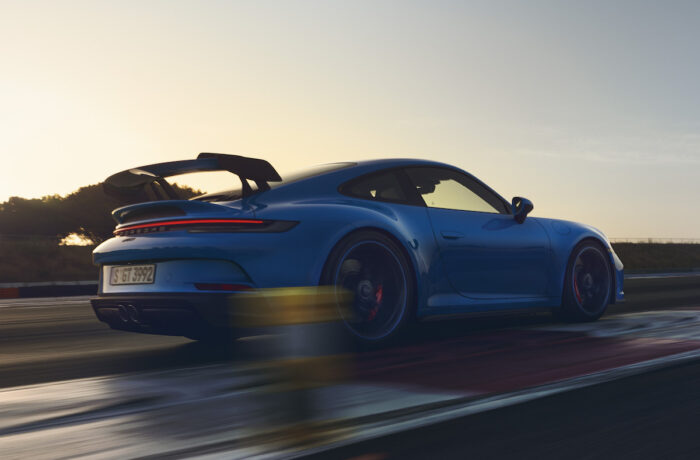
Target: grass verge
44, 260
658, 257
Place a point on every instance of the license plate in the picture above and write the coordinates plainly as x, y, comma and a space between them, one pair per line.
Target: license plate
132, 274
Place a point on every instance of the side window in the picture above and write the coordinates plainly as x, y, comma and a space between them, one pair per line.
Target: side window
384, 186
448, 189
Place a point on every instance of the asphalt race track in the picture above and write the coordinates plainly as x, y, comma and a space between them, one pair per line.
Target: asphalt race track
523, 386
653, 415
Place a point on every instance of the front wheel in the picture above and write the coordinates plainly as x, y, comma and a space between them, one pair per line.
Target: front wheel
374, 272
587, 285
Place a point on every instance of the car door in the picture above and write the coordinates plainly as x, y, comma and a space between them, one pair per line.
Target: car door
484, 251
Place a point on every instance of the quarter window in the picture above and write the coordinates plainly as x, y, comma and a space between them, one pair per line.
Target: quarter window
448, 189
384, 186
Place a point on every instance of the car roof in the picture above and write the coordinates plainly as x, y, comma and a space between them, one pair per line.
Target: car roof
359, 168
398, 162
351, 170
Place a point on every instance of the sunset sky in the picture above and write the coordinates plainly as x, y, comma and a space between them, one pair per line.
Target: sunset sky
590, 109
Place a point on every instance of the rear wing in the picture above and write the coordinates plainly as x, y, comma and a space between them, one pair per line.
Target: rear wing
135, 184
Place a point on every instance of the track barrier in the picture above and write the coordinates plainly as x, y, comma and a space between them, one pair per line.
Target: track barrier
47, 289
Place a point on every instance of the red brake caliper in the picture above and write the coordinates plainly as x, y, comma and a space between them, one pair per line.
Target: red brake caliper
576, 291
378, 295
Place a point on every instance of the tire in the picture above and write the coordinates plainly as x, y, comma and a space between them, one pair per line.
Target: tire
587, 284
379, 277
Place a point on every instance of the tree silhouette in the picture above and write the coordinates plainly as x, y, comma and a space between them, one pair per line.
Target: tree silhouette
86, 212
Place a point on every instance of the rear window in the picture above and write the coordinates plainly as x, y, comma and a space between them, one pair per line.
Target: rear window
311, 172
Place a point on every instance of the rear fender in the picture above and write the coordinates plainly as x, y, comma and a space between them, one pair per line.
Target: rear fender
408, 225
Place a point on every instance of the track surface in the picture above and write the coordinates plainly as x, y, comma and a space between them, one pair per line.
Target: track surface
49, 339
53, 340
655, 415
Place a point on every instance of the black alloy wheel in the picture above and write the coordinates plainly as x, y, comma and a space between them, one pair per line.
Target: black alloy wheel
588, 284
374, 285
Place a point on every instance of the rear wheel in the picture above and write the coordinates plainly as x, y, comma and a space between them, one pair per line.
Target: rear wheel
375, 273
588, 282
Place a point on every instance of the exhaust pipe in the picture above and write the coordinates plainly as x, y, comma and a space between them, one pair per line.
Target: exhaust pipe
129, 313
134, 314
123, 314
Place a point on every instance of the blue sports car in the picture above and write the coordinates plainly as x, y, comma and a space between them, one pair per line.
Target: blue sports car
409, 239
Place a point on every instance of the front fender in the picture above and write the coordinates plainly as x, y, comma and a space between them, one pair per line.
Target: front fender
564, 236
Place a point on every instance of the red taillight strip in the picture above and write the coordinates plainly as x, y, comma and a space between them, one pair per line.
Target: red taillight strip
168, 223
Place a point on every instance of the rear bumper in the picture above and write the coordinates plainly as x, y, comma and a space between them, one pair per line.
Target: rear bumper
167, 314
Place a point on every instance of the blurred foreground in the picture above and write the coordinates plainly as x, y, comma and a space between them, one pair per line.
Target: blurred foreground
287, 391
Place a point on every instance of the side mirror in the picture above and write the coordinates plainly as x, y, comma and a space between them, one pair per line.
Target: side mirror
521, 208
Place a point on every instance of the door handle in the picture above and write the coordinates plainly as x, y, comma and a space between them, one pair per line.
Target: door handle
449, 235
